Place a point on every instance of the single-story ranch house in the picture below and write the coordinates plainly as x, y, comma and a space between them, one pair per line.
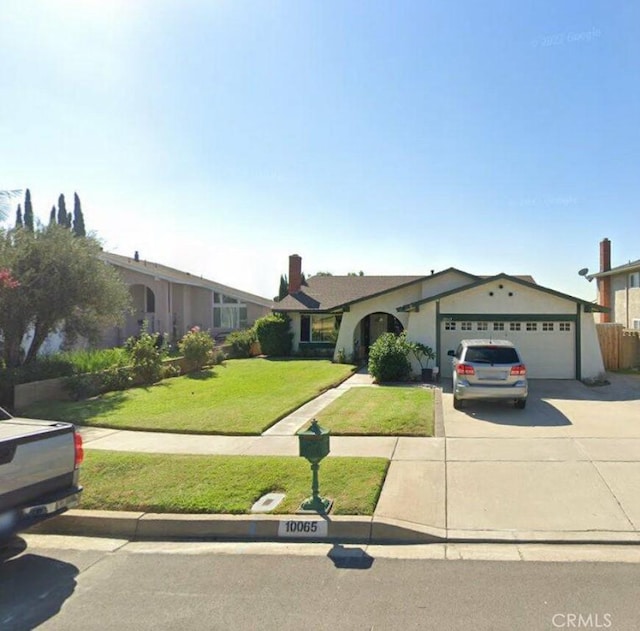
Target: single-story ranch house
172, 302
555, 332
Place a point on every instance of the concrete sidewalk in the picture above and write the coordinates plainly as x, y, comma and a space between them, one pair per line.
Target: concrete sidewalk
549, 473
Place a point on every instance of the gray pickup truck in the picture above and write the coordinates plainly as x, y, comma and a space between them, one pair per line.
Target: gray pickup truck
39, 467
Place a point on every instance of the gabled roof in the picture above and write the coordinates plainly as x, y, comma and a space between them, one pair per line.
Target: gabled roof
163, 272
330, 293
631, 266
520, 280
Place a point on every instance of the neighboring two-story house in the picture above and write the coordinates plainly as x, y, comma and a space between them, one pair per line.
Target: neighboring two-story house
618, 289
171, 301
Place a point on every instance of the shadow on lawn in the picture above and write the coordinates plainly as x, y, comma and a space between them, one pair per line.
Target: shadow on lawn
202, 375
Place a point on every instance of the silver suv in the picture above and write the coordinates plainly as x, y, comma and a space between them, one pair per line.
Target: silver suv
488, 369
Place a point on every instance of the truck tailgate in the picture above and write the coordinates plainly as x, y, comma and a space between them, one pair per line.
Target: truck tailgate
36, 458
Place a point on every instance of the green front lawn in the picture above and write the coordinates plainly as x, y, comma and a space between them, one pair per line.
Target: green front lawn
384, 411
242, 396
160, 483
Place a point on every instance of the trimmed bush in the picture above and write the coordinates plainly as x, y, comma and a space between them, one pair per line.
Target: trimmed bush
274, 334
146, 354
241, 343
389, 358
196, 346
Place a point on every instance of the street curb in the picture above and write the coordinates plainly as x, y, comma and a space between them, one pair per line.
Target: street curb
340, 529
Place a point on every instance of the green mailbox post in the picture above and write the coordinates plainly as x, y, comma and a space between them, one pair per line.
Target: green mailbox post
314, 446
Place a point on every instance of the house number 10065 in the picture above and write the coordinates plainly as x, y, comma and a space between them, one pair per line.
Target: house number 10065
302, 528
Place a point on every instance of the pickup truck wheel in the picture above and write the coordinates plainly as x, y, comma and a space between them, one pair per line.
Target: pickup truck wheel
457, 403
12, 547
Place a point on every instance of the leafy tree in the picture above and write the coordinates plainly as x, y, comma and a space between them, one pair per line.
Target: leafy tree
6, 197
78, 218
28, 211
62, 211
52, 216
19, 223
360, 273
324, 274
63, 286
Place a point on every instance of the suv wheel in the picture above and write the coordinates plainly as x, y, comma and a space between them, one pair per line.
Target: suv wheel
520, 403
457, 404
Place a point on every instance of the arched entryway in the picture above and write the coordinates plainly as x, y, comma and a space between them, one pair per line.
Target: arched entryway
144, 309
370, 328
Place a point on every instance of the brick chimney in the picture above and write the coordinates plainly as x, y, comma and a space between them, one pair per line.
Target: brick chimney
605, 255
604, 283
295, 273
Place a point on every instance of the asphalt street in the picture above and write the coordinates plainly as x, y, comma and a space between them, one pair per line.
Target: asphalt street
76, 583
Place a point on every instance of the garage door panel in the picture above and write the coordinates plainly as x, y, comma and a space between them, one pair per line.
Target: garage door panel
547, 354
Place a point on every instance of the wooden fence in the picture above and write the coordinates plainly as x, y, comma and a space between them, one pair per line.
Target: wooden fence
620, 347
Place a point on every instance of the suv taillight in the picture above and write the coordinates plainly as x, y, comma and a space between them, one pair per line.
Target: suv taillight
518, 370
465, 369
79, 450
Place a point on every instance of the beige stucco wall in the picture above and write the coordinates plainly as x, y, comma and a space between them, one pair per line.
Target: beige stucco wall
626, 301
592, 363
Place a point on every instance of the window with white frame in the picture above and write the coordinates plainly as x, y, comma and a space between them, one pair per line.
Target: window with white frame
635, 324
514, 326
466, 326
228, 312
564, 326
482, 326
532, 326
547, 326
498, 326
449, 325
634, 279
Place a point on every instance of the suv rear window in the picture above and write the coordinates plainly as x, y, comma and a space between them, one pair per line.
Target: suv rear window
492, 355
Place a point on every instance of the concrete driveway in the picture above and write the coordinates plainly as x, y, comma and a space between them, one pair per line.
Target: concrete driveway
567, 466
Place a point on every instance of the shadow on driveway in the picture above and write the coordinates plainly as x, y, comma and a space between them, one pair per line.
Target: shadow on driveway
538, 412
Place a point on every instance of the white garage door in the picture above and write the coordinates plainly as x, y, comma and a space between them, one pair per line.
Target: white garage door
547, 348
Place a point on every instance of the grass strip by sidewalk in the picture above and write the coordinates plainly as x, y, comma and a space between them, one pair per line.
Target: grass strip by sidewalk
160, 483
383, 411
242, 396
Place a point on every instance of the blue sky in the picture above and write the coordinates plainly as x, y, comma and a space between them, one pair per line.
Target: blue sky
390, 137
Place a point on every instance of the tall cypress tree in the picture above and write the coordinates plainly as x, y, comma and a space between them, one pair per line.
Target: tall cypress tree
28, 211
78, 217
19, 223
62, 211
69, 222
52, 216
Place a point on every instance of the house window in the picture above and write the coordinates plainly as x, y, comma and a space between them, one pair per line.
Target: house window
514, 326
449, 325
498, 326
636, 324
565, 326
547, 326
465, 326
228, 312
634, 279
318, 328
532, 326
482, 326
